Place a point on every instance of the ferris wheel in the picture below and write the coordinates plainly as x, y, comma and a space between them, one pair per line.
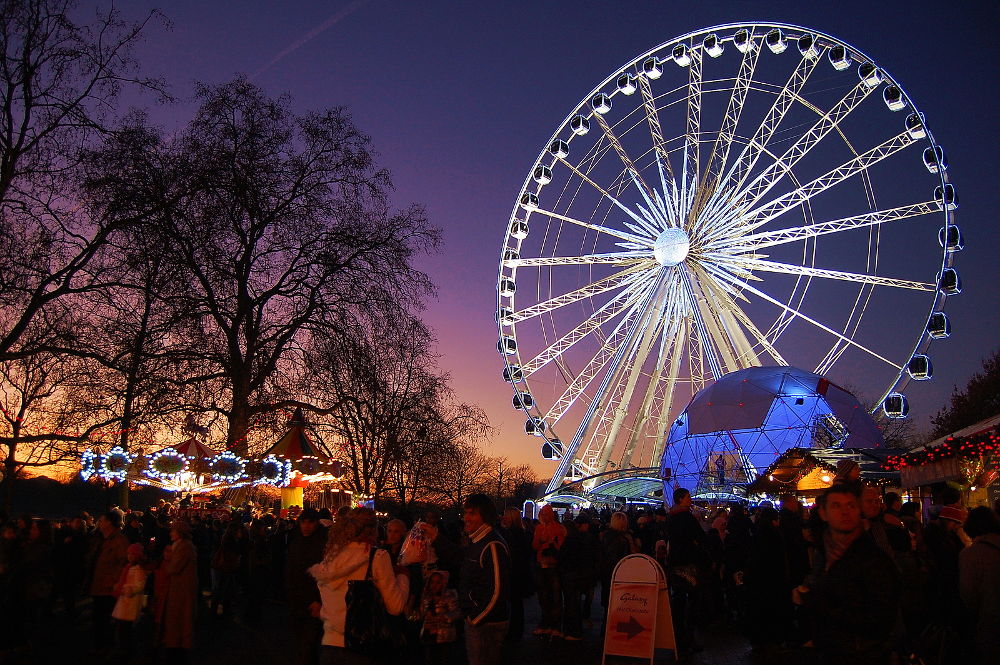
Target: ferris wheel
749, 194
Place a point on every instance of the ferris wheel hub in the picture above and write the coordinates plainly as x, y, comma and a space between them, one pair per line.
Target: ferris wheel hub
671, 247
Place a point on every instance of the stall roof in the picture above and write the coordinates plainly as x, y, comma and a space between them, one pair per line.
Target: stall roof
796, 463
981, 427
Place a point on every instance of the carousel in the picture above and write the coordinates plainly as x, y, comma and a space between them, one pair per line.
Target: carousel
191, 467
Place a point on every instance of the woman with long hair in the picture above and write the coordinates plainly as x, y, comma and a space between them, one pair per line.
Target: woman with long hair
616, 543
348, 551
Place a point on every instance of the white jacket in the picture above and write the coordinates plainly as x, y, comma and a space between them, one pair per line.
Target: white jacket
129, 604
332, 576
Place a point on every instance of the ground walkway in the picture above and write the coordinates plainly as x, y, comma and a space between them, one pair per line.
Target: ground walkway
234, 642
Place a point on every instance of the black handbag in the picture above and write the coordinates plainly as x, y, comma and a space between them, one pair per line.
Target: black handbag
368, 627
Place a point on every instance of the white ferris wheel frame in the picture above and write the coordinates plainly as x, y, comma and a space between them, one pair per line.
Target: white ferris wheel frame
721, 205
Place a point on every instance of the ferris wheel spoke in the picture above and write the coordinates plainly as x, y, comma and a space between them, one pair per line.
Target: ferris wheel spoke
622, 279
646, 408
756, 218
757, 144
777, 170
588, 460
628, 211
606, 312
667, 387
731, 317
655, 131
594, 366
609, 425
797, 314
860, 278
623, 155
784, 236
618, 233
734, 108
692, 132
613, 258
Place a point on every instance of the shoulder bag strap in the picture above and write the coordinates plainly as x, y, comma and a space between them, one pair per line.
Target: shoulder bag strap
371, 558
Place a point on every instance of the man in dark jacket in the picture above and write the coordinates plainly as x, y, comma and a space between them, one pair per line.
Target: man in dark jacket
686, 562
304, 550
108, 560
853, 591
484, 588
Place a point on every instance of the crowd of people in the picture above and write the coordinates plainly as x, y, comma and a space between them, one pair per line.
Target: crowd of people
859, 578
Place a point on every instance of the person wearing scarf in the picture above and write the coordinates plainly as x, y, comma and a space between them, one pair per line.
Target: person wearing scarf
854, 589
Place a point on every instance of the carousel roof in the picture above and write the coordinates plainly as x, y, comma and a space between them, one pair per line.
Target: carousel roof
296, 444
192, 447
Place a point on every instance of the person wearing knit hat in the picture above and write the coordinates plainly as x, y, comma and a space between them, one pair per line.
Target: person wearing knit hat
848, 471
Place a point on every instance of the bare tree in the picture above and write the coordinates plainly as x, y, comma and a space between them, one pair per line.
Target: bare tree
39, 426
286, 231
58, 81
460, 469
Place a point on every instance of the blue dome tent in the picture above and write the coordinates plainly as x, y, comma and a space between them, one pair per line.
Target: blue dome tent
735, 428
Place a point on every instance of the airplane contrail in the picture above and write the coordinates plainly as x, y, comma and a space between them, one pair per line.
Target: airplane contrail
328, 23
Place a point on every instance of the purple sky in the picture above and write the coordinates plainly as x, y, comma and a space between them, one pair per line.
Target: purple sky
459, 97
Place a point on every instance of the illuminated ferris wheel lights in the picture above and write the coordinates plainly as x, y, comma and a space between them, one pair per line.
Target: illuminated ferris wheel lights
652, 67
742, 41
950, 237
542, 174
523, 400
681, 56
626, 84
915, 126
839, 57
651, 272
938, 326
601, 103
519, 229
775, 41
946, 197
935, 160
896, 406
920, 368
869, 74
712, 46
559, 148
580, 125
893, 98
949, 283
808, 46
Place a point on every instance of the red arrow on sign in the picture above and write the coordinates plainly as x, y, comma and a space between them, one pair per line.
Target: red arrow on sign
631, 627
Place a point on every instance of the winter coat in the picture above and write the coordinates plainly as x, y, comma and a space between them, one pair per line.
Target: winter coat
175, 614
351, 563
300, 587
484, 582
979, 582
520, 561
857, 594
108, 563
548, 534
129, 604
686, 540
